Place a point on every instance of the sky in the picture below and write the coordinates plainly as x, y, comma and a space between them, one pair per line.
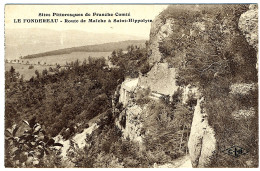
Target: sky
136, 12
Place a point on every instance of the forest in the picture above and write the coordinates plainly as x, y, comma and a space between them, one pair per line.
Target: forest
62, 103
58, 100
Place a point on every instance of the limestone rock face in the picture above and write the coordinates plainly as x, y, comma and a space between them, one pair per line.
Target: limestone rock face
127, 89
160, 78
248, 24
159, 30
190, 91
202, 142
132, 125
243, 113
242, 88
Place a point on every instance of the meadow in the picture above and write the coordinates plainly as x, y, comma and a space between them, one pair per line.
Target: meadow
50, 61
24, 69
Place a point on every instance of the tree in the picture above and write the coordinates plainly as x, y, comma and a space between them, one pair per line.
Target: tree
37, 73
44, 72
13, 76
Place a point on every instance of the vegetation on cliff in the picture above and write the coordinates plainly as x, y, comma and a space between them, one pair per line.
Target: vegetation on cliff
133, 61
210, 52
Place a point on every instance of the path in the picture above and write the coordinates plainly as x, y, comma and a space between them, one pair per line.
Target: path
78, 138
182, 162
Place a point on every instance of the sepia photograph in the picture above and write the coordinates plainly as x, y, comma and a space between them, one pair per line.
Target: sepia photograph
131, 85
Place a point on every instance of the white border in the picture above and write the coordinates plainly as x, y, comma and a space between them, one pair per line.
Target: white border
2, 68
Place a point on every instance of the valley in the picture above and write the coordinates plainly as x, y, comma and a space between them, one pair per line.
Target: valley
185, 98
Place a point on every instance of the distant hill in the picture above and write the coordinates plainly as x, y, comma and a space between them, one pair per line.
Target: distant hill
105, 47
27, 41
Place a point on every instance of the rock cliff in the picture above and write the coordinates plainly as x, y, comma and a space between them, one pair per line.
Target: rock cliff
163, 76
202, 142
160, 29
131, 127
161, 79
248, 24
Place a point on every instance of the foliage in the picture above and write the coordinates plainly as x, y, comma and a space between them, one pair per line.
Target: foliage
31, 148
167, 129
218, 49
63, 99
142, 96
105, 148
211, 53
132, 62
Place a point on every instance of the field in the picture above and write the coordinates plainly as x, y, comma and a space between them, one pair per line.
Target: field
62, 59
24, 70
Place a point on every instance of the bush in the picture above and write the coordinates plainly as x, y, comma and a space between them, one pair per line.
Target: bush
142, 96
31, 67
31, 148
166, 130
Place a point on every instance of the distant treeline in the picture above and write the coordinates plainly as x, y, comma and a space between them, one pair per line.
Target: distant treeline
106, 47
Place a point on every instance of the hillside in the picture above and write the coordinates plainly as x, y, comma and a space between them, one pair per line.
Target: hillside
213, 49
106, 47
22, 42
188, 98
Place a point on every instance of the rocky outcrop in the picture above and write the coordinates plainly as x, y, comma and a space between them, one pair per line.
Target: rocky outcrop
159, 30
127, 90
79, 139
202, 142
248, 24
242, 88
130, 123
240, 114
189, 91
161, 79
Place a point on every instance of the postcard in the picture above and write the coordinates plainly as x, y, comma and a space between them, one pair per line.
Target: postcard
131, 86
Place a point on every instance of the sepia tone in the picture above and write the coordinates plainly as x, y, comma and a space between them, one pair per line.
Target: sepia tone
178, 92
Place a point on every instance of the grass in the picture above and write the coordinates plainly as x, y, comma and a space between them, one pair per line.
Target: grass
24, 70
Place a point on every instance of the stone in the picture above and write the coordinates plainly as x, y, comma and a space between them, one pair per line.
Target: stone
133, 126
160, 79
239, 114
248, 24
159, 31
242, 88
202, 142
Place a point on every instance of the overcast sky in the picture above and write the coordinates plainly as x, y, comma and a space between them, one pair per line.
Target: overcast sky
137, 12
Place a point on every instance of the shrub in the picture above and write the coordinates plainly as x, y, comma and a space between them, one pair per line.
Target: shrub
142, 96
31, 148
166, 130
31, 67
